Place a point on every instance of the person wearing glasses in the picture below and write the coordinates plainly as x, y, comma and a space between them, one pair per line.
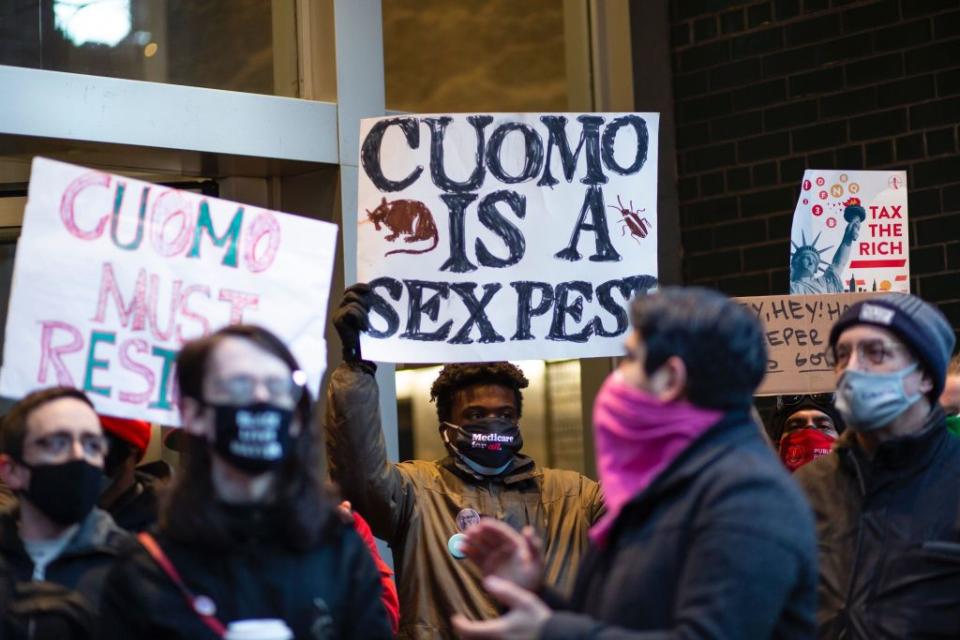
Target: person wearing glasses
805, 427
246, 530
887, 499
52, 451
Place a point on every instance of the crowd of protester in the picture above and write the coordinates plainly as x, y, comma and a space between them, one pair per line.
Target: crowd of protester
840, 518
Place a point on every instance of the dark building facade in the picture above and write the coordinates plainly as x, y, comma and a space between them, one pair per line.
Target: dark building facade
764, 90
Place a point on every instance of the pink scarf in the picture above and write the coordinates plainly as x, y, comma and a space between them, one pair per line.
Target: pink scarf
637, 437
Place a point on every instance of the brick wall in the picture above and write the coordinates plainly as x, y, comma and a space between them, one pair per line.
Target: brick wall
764, 90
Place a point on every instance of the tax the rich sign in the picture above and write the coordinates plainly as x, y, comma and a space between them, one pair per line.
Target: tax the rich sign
113, 275
505, 236
851, 233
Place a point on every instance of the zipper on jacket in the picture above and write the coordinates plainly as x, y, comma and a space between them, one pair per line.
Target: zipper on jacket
857, 548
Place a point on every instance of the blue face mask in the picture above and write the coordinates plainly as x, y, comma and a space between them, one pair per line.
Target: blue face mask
871, 401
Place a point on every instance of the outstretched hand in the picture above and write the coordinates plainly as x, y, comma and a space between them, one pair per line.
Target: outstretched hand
498, 550
352, 317
526, 618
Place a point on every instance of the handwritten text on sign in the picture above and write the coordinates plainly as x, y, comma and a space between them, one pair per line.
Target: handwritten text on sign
113, 275
495, 236
797, 333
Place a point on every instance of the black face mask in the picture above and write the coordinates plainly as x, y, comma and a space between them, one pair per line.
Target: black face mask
64, 492
489, 444
254, 438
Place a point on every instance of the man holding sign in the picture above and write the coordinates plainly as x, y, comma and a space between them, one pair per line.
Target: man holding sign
421, 508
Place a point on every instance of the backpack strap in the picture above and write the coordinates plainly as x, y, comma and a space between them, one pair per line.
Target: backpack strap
201, 605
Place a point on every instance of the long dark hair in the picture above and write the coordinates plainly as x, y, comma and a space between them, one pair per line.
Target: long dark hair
190, 511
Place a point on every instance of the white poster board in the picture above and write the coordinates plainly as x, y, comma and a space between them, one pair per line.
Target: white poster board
850, 233
113, 275
505, 236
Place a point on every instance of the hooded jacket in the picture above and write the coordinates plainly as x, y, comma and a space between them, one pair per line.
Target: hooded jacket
720, 545
889, 536
413, 506
84, 562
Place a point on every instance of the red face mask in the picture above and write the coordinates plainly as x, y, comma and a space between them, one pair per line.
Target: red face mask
799, 447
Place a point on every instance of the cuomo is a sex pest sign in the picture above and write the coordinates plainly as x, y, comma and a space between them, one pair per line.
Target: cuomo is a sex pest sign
505, 236
113, 275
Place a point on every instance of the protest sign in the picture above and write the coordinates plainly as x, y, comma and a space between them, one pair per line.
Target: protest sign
797, 333
505, 236
113, 275
850, 233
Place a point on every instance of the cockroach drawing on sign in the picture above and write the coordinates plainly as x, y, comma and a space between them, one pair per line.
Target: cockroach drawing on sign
632, 222
409, 219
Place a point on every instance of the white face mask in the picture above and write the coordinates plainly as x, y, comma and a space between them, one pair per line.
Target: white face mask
870, 401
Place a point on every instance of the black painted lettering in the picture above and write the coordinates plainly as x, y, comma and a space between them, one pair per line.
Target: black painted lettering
438, 173
589, 139
418, 307
384, 309
457, 205
477, 315
592, 204
493, 220
525, 309
532, 147
609, 144
370, 153
563, 308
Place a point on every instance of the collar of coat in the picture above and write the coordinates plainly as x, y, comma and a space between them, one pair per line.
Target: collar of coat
521, 468
897, 457
98, 533
734, 427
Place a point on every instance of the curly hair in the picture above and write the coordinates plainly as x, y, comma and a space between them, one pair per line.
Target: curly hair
456, 377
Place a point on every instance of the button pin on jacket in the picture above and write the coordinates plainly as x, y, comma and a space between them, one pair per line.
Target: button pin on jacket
204, 606
455, 546
467, 518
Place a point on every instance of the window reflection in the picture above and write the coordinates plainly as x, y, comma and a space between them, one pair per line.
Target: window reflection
474, 55
239, 45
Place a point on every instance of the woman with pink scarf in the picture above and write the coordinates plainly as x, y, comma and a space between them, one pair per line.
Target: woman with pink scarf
705, 535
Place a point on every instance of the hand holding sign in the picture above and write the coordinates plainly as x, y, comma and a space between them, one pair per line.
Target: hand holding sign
352, 317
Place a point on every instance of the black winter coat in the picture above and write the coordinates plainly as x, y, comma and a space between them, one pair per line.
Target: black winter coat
721, 545
889, 535
84, 562
332, 591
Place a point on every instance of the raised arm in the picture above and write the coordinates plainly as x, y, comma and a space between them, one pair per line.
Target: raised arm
356, 450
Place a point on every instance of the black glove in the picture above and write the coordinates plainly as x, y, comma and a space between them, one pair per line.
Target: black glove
351, 317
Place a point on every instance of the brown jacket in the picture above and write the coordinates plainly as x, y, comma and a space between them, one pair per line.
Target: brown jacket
414, 505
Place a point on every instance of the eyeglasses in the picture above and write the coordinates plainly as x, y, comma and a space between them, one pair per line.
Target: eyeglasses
282, 391
57, 445
873, 351
794, 400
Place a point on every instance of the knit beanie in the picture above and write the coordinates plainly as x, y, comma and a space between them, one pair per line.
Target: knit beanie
918, 324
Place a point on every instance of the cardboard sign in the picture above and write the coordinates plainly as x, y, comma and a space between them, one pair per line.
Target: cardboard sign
850, 233
505, 236
113, 275
797, 334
